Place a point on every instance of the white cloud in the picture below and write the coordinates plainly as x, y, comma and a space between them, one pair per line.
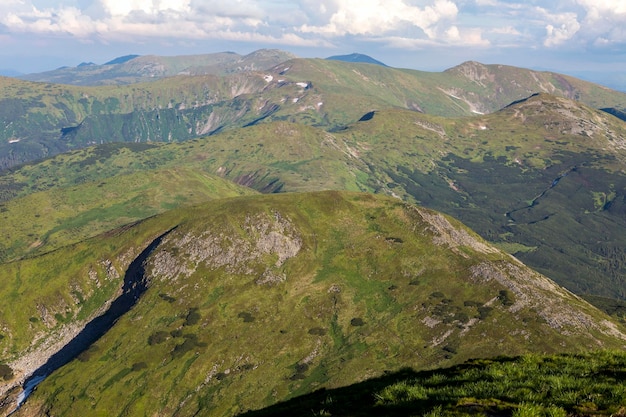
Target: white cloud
506, 30
68, 20
125, 7
603, 21
378, 17
567, 26
397, 23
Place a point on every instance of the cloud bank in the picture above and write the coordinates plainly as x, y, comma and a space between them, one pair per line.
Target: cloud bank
408, 24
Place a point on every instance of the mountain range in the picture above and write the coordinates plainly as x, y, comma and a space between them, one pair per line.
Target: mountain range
242, 231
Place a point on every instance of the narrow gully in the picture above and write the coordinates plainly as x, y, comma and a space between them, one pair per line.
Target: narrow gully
135, 284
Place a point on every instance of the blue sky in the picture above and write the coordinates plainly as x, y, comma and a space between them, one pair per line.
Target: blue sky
570, 36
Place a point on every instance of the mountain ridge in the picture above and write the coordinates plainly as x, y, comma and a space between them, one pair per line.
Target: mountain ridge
129, 69
291, 238
49, 118
340, 277
522, 183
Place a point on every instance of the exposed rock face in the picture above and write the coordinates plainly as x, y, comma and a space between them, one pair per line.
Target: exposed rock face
551, 302
560, 308
264, 243
453, 237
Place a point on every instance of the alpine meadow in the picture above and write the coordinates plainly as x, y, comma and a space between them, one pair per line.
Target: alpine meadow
267, 235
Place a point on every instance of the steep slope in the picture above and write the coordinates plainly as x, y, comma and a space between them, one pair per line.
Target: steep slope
467, 89
487, 88
544, 178
41, 120
254, 300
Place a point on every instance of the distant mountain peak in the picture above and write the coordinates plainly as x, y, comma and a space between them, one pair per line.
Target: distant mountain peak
121, 59
356, 57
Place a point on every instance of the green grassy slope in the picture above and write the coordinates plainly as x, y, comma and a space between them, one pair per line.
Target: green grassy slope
47, 220
557, 385
259, 299
544, 178
347, 91
43, 119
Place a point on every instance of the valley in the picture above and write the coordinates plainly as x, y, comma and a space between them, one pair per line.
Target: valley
245, 235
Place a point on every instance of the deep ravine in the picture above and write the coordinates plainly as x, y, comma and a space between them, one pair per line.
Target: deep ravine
135, 284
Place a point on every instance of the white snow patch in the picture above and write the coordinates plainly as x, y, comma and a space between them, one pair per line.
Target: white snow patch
268, 78
295, 99
13, 140
303, 85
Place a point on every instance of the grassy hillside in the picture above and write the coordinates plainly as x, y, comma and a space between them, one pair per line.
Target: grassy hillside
47, 220
43, 119
543, 179
530, 385
259, 299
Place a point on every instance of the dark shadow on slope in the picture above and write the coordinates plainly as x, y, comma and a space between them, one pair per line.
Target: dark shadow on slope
135, 284
354, 400
477, 388
359, 400
620, 114
367, 116
516, 102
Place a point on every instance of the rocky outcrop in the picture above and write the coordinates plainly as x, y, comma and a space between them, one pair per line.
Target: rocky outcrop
266, 243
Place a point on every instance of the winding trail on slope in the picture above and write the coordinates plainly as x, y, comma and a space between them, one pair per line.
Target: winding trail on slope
135, 284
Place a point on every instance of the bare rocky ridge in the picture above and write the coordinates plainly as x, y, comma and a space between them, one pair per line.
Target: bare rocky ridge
557, 306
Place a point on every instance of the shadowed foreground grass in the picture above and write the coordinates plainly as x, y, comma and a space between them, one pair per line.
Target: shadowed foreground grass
591, 384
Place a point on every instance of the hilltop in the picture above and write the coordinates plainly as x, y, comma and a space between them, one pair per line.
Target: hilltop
254, 300
356, 57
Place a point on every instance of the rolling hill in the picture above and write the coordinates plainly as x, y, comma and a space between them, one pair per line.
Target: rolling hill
249, 301
42, 119
543, 178
266, 242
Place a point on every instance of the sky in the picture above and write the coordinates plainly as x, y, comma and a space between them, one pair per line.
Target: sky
569, 36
